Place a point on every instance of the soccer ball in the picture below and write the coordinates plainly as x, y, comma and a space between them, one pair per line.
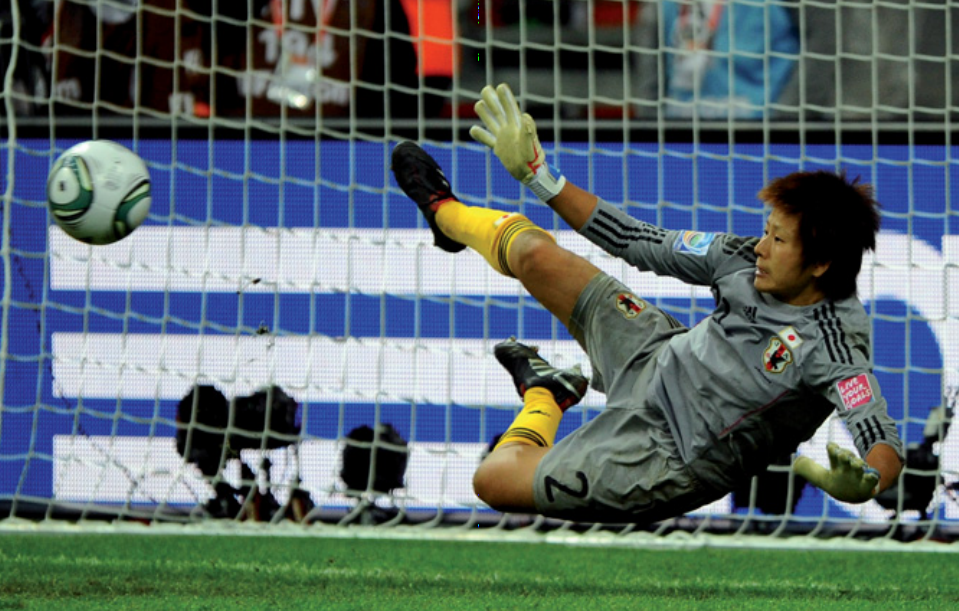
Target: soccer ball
98, 191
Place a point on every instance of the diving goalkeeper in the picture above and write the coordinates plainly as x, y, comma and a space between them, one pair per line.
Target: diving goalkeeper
691, 413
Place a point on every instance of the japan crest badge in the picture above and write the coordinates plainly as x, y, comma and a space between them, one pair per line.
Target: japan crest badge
777, 356
629, 305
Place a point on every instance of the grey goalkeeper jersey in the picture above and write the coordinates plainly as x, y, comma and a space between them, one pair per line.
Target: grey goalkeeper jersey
757, 377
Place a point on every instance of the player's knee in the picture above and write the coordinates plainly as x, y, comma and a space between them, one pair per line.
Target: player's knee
484, 483
532, 252
504, 481
491, 485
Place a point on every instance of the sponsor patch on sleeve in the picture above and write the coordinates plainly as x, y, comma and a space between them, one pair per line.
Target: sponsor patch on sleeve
694, 242
855, 391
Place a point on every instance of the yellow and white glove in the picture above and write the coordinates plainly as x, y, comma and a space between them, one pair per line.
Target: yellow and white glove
848, 479
511, 134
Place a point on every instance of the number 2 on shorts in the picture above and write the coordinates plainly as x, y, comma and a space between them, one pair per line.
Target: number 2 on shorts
579, 494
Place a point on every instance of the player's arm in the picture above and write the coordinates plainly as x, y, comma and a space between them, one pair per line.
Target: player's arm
574, 205
883, 458
512, 136
855, 393
863, 408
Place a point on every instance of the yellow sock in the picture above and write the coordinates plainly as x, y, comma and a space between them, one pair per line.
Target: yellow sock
489, 232
537, 423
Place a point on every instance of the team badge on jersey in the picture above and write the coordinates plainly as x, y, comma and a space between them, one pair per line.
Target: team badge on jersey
694, 242
855, 391
629, 305
776, 356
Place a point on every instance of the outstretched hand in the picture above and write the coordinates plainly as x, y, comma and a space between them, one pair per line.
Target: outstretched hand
511, 134
848, 478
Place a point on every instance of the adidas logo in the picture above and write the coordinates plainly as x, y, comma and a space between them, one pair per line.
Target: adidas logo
541, 367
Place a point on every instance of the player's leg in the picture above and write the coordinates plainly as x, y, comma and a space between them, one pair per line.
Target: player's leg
510, 243
555, 277
505, 478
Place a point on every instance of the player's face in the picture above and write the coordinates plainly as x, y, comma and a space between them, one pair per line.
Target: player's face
779, 262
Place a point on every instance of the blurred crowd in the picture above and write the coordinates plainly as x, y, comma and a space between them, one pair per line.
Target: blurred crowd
231, 59
367, 59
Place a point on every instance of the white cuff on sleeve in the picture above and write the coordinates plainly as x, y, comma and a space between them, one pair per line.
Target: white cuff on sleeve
544, 185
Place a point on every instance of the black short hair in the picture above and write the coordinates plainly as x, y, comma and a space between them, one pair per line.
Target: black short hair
838, 222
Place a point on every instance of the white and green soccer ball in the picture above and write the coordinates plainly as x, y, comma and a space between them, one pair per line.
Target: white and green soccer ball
99, 191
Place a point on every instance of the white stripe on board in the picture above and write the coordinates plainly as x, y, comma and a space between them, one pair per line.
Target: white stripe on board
311, 368
404, 262
367, 261
105, 469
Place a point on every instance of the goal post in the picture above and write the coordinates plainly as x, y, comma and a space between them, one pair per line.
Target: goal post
281, 265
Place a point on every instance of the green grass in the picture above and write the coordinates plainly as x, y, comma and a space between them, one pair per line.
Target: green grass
66, 572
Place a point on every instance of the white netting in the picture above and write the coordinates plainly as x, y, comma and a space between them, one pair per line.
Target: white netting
280, 252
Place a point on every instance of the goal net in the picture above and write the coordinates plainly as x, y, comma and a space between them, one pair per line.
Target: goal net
280, 341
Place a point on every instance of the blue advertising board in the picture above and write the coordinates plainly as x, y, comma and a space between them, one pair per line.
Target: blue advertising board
336, 190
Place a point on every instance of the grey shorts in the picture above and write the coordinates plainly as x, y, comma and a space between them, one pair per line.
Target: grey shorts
623, 465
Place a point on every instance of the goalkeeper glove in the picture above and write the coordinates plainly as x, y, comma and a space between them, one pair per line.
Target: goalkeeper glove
512, 136
848, 479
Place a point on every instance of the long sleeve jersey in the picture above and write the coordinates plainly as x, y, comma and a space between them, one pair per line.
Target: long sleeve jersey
756, 377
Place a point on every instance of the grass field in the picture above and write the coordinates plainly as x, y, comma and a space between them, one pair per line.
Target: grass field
120, 571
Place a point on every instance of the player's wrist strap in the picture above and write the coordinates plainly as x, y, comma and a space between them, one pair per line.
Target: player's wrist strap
544, 185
